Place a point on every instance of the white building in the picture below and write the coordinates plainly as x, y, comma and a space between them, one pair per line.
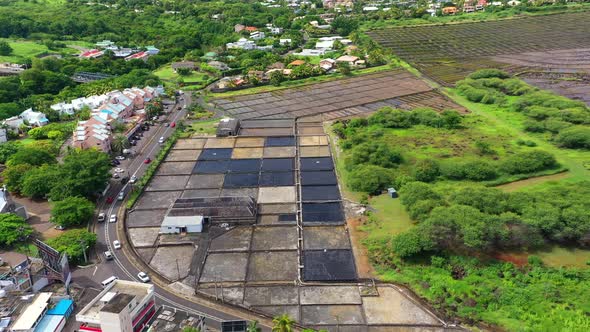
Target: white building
257, 35
181, 224
284, 41
37, 119
123, 306
3, 135
310, 52
63, 108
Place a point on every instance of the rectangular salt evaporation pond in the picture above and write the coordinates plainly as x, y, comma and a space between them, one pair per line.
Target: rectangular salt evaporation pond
280, 141
240, 180
278, 164
328, 265
320, 193
211, 166
244, 165
215, 154
274, 179
317, 164
323, 212
318, 178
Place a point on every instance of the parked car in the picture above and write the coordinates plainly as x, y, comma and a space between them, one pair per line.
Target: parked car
143, 277
173, 124
147, 160
133, 142
116, 162
108, 255
121, 196
119, 170
101, 217
116, 176
120, 157
133, 179
59, 227
113, 218
116, 244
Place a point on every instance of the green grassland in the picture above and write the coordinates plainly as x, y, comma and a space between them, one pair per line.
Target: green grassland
166, 73
23, 50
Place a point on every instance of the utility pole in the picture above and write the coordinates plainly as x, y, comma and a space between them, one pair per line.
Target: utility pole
83, 244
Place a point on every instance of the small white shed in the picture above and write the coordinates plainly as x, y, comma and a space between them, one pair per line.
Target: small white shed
181, 224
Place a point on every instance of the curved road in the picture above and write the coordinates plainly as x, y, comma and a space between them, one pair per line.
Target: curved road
123, 267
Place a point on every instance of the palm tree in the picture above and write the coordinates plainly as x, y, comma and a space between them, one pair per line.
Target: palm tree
283, 323
119, 143
253, 327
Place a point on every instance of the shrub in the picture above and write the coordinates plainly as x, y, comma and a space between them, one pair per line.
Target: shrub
370, 179
410, 244
528, 162
374, 153
555, 125
392, 118
413, 192
479, 170
488, 73
533, 126
426, 170
574, 137
523, 142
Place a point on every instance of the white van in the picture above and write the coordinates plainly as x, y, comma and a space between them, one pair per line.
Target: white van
108, 281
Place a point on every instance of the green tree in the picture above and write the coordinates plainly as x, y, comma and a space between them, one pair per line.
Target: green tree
72, 211
344, 68
38, 182
344, 25
410, 243
73, 242
426, 170
5, 48
119, 143
14, 176
451, 119
184, 71
283, 323
7, 149
84, 173
574, 138
31, 155
13, 229
190, 329
253, 326
370, 179
277, 77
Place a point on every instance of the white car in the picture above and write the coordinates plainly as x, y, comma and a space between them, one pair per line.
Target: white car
120, 157
119, 170
133, 179
116, 244
113, 218
121, 196
143, 277
161, 140
101, 217
108, 255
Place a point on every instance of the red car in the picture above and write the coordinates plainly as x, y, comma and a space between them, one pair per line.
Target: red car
110, 200
173, 124
147, 161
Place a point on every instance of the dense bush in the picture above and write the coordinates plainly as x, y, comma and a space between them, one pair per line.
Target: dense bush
574, 137
370, 179
426, 170
374, 153
73, 243
13, 229
528, 162
488, 73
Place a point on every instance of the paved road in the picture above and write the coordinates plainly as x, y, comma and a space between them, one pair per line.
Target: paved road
121, 266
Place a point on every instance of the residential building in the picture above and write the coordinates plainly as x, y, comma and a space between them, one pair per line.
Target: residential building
239, 27
325, 45
14, 123
285, 41
36, 119
327, 64
140, 56
38, 317
449, 10
350, 59
191, 65
123, 52
246, 44
3, 135
296, 63
251, 29
123, 306
218, 65
94, 132
257, 35
63, 108
92, 54
105, 44
275, 30
151, 50
310, 52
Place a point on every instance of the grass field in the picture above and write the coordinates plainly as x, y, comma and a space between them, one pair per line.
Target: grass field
167, 73
23, 50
